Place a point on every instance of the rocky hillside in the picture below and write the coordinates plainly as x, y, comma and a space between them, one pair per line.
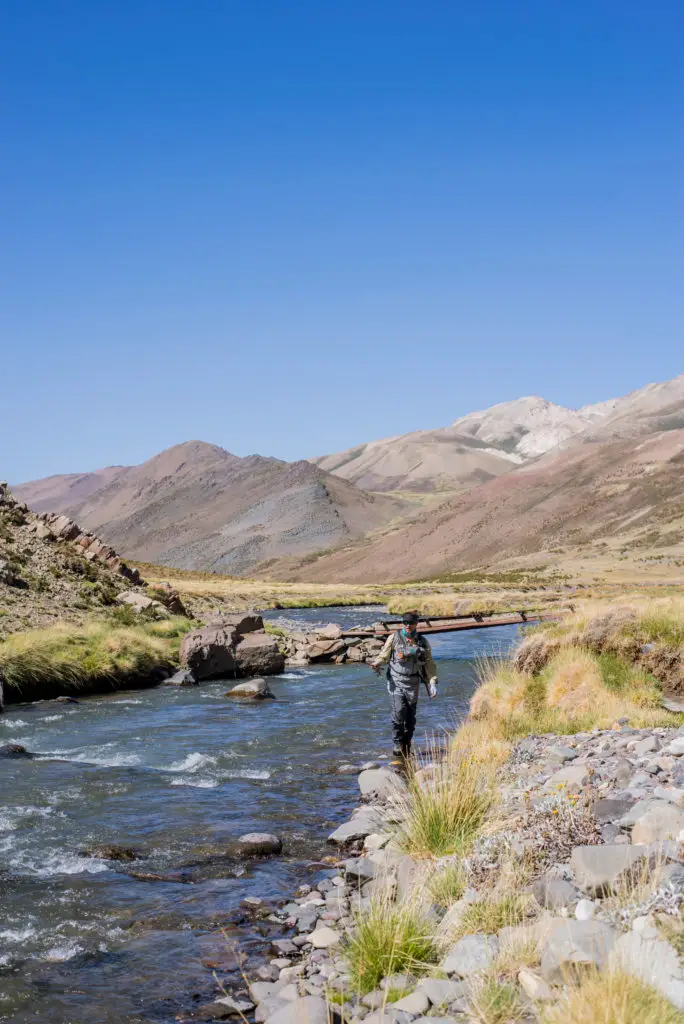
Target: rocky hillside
617, 494
50, 569
198, 506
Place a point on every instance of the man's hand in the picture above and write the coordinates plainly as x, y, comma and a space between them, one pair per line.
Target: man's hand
432, 688
376, 666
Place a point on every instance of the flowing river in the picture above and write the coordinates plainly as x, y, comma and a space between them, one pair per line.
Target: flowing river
176, 773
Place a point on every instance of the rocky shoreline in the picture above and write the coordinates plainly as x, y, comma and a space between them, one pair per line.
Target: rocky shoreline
593, 825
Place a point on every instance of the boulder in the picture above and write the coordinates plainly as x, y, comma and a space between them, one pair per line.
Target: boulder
470, 955
257, 654
572, 778
325, 650
415, 1003
14, 750
329, 632
381, 784
599, 869
574, 945
184, 677
357, 828
254, 689
107, 851
306, 1010
209, 652
324, 938
654, 961
442, 991
243, 622
259, 844
665, 822
138, 602
533, 986
553, 892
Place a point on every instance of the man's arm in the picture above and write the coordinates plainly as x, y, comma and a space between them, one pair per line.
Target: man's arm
385, 654
430, 667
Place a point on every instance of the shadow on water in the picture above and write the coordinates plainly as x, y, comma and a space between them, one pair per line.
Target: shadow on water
177, 774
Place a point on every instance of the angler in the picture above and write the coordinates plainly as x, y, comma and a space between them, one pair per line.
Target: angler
409, 662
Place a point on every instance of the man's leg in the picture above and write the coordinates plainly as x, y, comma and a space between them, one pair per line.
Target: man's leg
411, 707
398, 720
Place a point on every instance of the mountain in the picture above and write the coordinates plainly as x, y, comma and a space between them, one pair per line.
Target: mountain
474, 449
613, 493
646, 411
54, 493
198, 506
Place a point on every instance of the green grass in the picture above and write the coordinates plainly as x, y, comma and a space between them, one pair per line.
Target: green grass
444, 815
495, 1002
66, 659
663, 627
493, 913
447, 885
389, 939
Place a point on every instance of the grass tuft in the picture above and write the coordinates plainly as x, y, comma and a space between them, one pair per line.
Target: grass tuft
612, 997
444, 813
496, 911
447, 885
495, 1002
389, 939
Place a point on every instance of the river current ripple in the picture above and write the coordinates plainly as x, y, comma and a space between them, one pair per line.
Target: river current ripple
175, 773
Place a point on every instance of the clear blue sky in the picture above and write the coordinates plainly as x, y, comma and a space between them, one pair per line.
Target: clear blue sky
288, 227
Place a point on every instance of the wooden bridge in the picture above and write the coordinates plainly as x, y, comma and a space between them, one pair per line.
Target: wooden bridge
453, 623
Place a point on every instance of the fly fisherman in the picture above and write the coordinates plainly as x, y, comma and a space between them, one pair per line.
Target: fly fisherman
409, 662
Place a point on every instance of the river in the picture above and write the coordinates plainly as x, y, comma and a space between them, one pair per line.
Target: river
175, 773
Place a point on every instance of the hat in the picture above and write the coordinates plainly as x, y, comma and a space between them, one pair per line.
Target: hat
410, 618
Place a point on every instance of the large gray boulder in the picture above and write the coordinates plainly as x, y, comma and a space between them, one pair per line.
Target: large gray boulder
326, 650
576, 945
243, 622
381, 784
257, 654
209, 652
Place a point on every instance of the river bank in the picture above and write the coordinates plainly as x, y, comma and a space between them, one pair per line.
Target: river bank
518, 876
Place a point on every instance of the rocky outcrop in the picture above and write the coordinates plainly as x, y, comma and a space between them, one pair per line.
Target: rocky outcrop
327, 645
233, 647
60, 527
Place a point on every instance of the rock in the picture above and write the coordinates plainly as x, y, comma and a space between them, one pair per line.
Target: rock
305, 1010
638, 810
357, 828
574, 945
381, 784
676, 747
471, 954
389, 1015
610, 810
654, 961
65, 700
330, 632
325, 650
572, 778
235, 1005
285, 946
599, 869
646, 746
324, 938
671, 794
262, 990
585, 910
441, 991
259, 844
209, 652
242, 622
14, 750
553, 892
184, 677
106, 851
257, 654
359, 869
664, 822
533, 986
254, 689
416, 1002
397, 981
562, 753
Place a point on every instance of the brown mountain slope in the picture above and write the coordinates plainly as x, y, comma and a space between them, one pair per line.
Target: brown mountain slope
197, 506
55, 493
588, 492
646, 411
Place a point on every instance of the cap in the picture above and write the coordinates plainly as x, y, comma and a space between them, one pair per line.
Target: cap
409, 618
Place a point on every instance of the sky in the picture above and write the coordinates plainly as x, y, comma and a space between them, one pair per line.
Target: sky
291, 227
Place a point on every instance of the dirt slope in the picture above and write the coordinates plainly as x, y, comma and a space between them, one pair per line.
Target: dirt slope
197, 506
592, 491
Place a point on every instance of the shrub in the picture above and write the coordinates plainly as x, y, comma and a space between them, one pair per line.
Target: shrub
389, 939
447, 885
497, 910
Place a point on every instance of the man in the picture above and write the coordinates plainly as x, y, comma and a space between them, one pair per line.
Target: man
409, 661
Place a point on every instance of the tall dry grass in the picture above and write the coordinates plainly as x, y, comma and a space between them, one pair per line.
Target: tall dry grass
612, 997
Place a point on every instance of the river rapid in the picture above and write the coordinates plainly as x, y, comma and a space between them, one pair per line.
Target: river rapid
176, 773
